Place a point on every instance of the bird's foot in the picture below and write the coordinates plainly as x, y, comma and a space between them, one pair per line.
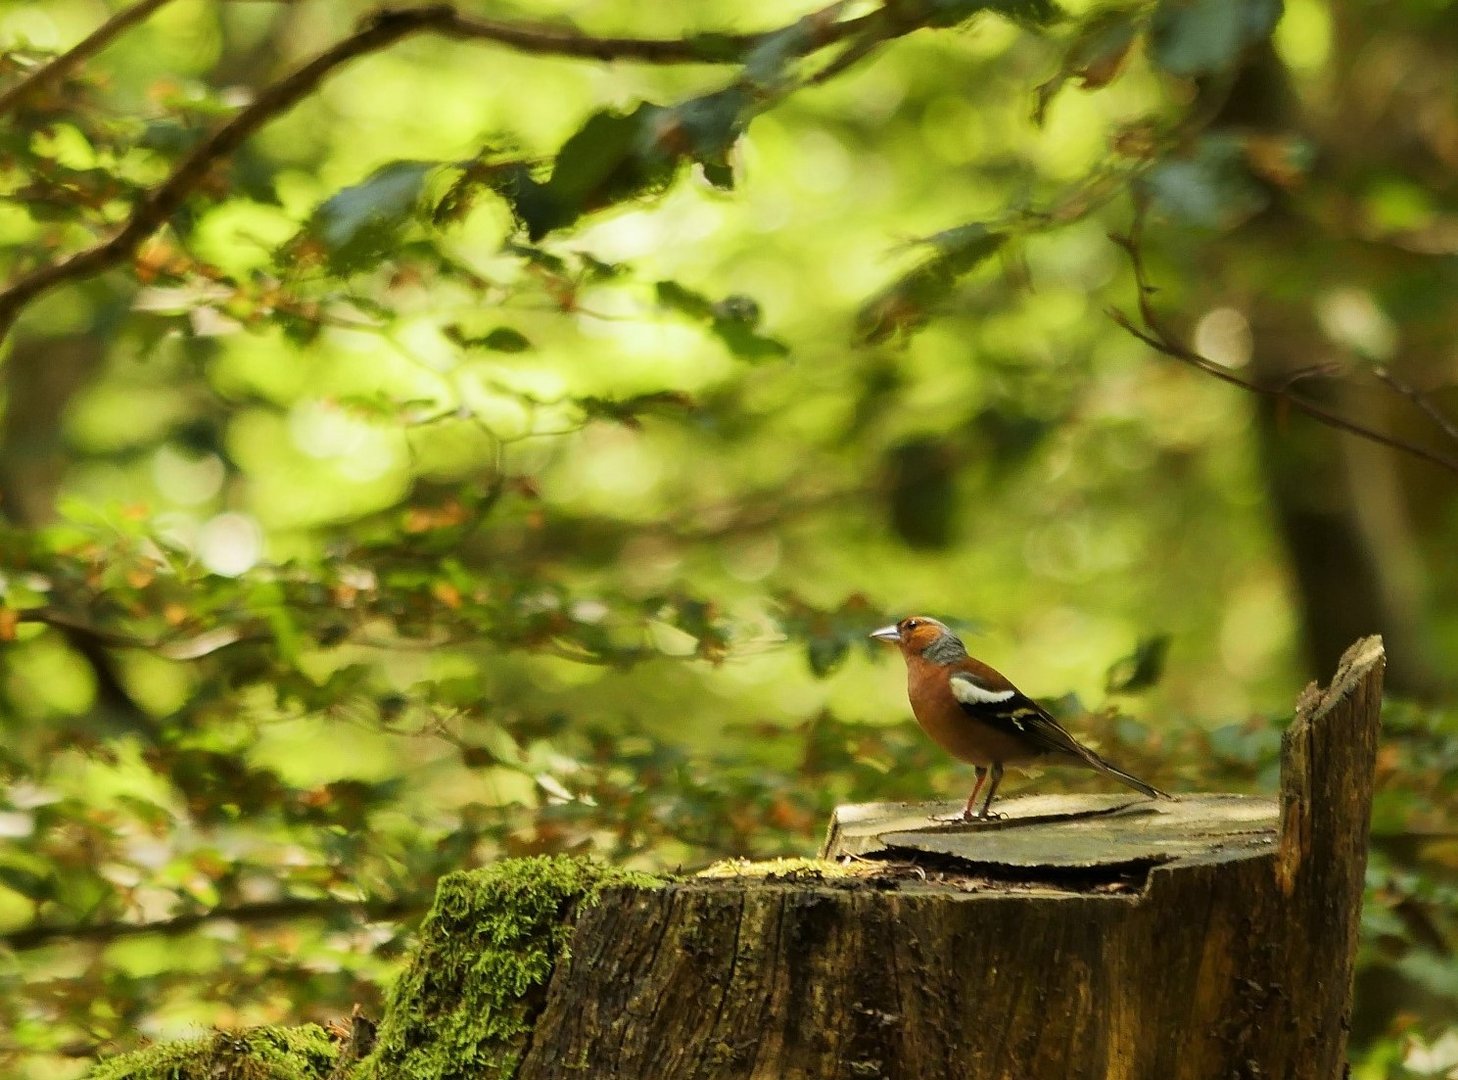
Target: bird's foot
962, 817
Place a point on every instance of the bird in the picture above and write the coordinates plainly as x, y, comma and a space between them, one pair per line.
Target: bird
977, 715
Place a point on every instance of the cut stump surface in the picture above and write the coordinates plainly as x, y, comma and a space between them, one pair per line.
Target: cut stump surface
1072, 832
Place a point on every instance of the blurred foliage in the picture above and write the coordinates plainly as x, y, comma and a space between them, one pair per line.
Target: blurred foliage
503, 454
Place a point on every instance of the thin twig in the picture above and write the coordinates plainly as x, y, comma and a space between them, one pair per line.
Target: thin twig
1445, 423
59, 67
266, 911
1160, 338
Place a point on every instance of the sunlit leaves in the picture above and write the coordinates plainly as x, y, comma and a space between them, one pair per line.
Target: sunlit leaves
1198, 37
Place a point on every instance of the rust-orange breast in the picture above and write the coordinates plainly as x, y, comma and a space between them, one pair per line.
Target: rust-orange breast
943, 719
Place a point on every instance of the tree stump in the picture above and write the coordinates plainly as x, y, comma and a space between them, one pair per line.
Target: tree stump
1092, 936
1087, 936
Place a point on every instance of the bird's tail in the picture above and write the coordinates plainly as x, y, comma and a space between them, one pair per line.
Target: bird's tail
1126, 778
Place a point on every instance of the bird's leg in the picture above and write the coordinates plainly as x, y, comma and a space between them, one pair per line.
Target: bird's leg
966, 814
984, 814
972, 799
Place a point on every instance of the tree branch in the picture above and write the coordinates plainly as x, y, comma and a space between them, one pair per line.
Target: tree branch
266, 911
60, 66
712, 48
379, 31
151, 213
1162, 339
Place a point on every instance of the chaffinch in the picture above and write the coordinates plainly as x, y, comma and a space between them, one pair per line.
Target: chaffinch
977, 715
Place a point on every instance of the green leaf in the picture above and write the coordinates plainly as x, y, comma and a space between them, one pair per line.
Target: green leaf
626, 411
615, 157
1141, 669
361, 225
501, 339
1211, 188
905, 306
826, 654
505, 339
33, 884
604, 162
828, 633
920, 480
732, 320
1198, 37
1096, 55
712, 124
765, 64
1027, 12
684, 300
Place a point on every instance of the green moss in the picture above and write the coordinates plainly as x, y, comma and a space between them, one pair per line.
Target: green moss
466, 1003
264, 1053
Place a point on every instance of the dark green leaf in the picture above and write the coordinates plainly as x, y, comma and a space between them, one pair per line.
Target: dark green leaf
826, 654
605, 161
361, 225
501, 339
682, 299
1141, 669
1211, 188
1096, 55
733, 320
626, 411
921, 476
505, 339
1198, 37
37, 884
711, 125
907, 304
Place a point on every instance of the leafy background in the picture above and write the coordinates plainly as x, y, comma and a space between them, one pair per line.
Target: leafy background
502, 452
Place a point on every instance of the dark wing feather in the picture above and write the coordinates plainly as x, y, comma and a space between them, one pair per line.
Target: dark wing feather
1005, 707
994, 701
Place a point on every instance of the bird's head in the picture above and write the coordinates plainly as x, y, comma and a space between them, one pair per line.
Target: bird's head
921, 635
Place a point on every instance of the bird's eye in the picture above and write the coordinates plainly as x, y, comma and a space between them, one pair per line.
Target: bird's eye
912, 624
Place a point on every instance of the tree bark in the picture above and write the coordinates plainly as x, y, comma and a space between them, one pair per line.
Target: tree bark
1080, 937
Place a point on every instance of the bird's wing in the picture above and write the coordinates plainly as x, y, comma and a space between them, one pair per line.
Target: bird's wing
1003, 706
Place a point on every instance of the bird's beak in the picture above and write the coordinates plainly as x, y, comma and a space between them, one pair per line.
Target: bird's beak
887, 633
